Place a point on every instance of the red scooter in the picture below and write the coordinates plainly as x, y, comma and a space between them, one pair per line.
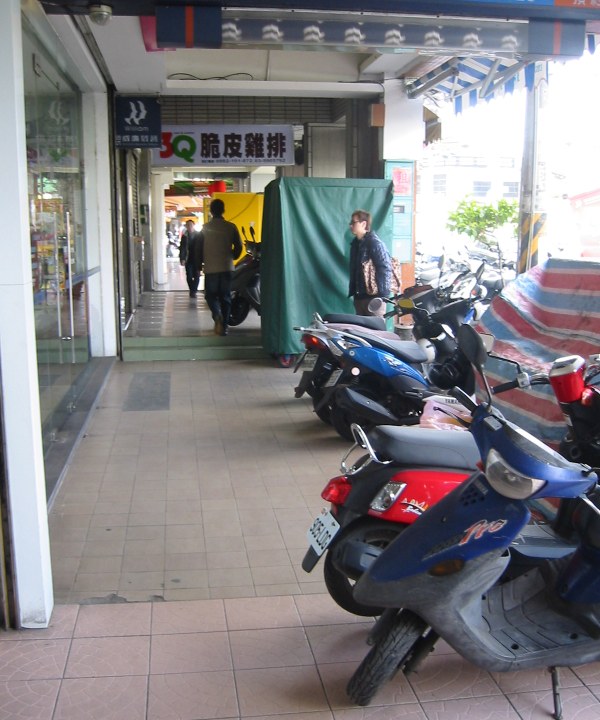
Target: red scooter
406, 470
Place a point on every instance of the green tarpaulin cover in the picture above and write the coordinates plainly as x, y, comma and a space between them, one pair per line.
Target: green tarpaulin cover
306, 250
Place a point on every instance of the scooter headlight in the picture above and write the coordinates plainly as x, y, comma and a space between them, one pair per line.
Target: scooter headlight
507, 481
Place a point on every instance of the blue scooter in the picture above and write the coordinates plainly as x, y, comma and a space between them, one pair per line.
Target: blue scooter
439, 578
378, 388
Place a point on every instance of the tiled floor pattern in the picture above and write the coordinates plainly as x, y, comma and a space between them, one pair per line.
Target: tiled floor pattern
176, 540
268, 657
210, 498
171, 313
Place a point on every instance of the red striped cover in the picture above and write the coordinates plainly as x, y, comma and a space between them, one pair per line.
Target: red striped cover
549, 312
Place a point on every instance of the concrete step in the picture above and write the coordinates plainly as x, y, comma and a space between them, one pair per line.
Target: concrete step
209, 347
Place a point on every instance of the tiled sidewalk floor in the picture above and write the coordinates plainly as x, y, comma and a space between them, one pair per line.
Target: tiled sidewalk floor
176, 539
269, 657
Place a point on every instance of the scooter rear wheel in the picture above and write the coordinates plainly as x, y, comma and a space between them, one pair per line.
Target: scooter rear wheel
385, 657
339, 584
240, 307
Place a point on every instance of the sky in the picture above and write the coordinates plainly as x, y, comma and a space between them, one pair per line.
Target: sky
568, 138
569, 107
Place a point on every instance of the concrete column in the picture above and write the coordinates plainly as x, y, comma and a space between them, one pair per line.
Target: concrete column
98, 231
20, 392
159, 182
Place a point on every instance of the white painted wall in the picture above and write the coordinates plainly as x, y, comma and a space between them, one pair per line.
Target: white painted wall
404, 130
20, 392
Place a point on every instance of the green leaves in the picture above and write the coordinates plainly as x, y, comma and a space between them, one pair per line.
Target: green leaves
479, 221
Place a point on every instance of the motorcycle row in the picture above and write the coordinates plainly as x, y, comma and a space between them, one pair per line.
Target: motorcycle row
470, 530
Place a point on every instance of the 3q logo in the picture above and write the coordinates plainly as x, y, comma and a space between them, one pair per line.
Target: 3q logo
182, 146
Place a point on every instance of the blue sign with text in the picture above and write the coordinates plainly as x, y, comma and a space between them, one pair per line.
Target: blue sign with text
137, 122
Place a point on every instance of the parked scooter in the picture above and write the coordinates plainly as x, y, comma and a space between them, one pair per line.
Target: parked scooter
321, 363
245, 283
325, 341
374, 390
406, 470
454, 282
443, 570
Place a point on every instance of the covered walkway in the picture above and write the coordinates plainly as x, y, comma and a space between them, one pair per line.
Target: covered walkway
177, 537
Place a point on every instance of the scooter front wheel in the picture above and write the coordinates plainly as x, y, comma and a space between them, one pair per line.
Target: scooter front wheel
385, 657
339, 583
240, 307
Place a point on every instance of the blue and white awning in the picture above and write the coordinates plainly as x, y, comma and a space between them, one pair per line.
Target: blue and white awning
468, 80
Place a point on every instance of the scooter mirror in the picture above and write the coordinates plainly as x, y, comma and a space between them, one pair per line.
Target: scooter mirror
375, 305
488, 342
472, 346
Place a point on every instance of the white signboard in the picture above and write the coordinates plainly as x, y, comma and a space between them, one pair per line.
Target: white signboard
196, 145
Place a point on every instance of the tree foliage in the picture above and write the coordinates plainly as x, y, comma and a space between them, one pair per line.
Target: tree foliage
480, 222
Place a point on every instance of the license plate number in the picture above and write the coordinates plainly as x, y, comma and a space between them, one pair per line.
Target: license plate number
333, 378
322, 531
308, 361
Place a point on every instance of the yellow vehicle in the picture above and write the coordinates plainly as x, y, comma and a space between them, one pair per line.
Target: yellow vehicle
243, 209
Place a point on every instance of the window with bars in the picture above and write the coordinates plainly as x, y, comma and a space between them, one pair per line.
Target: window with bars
439, 184
481, 188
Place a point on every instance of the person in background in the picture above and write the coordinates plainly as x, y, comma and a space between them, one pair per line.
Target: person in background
220, 242
190, 256
365, 246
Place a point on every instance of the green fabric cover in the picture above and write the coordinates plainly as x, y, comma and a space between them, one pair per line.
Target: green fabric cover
306, 250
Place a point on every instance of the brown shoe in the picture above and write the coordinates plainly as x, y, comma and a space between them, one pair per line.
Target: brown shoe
219, 325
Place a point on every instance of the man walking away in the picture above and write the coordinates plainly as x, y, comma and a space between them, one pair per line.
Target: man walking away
190, 255
220, 242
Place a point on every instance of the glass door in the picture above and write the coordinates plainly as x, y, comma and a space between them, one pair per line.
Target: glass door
58, 258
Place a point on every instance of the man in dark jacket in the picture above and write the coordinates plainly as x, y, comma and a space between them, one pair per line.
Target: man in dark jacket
190, 256
221, 243
367, 246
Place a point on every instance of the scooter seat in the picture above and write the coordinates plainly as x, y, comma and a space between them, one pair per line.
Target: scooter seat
425, 446
366, 321
407, 350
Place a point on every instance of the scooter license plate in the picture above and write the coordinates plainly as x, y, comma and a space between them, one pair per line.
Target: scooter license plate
322, 531
308, 362
333, 378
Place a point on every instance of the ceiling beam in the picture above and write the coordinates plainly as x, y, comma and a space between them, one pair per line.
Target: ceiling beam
278, 88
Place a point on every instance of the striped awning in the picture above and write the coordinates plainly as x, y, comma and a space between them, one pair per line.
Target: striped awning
468, 80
